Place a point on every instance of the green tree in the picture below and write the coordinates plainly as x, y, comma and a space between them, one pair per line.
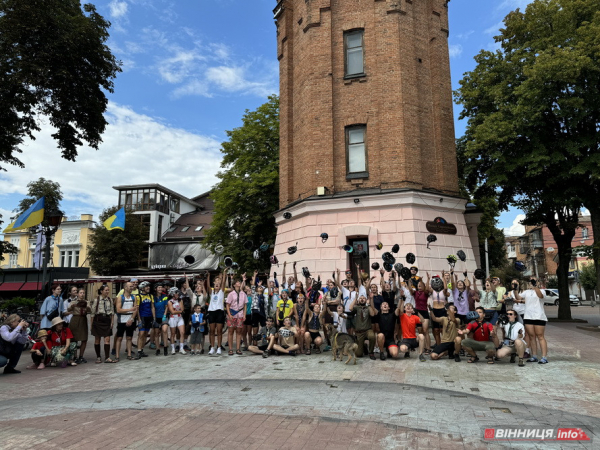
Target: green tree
587, 277
532, 109
112, 252
43, 188
54, 65
248, 191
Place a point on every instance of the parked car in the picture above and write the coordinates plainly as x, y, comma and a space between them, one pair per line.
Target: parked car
551, 297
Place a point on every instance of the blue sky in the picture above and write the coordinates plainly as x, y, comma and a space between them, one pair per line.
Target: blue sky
190, 70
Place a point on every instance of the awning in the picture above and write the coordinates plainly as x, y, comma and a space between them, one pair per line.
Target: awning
11, 286
32, 286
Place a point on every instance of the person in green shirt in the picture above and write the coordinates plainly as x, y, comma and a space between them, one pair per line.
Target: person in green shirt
363, 311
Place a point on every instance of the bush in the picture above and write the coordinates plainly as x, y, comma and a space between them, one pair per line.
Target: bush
552, 283
18, 302
587, 276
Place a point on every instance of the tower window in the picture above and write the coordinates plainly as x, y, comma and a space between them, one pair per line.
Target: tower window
354, 49
356, 151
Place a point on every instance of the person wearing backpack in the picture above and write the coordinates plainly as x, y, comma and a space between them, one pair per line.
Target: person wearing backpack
126, 314
52, 307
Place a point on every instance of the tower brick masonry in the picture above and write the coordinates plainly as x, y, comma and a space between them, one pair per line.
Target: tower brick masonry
404, 96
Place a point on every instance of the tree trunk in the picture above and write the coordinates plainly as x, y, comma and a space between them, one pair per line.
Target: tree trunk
594, 210
563, 236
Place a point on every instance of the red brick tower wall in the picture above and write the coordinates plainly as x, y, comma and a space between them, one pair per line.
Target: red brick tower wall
405, 97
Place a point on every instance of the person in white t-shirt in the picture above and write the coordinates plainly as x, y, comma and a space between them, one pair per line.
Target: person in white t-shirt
290, 283
216, 315
514, 334
535, 321
349, 295
340, 319
126, 313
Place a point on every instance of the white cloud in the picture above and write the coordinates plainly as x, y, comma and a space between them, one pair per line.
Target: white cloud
118, 9
516, 229
514, 4
136, 149
455, 50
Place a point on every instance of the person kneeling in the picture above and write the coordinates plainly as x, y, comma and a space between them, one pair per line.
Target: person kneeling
387, 328
449, 340
40, 352
265, 339
482, 331
287, 335
513, 339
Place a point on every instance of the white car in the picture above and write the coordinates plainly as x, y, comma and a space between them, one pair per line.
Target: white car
551, 297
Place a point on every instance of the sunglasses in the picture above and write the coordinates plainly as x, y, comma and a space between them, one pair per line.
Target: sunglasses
510, 314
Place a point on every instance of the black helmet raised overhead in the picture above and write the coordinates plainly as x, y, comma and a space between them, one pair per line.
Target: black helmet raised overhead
437, 284
461, 255
395, 248
287, 215
305, 272
388, 258
264, 247
379, 246
387, 266
431, 238
235, 266
410, 258
292, 250
324, 237
520, 266
375, 266
405, 273
479, 274
398, 267
248, 245
228, 261
274, 260
348, 248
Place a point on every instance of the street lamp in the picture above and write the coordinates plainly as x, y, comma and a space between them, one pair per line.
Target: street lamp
49, 227
491, 240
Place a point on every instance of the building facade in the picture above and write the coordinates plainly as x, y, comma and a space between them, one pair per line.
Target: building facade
367, 149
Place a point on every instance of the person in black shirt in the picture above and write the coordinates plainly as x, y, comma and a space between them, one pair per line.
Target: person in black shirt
387, 329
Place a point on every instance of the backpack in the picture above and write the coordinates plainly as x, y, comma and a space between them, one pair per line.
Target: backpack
123, 301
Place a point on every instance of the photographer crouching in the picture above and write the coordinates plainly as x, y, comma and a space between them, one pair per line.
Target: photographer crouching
13, 337
514, 332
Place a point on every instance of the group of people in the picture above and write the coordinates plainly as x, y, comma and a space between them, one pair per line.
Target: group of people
391, 317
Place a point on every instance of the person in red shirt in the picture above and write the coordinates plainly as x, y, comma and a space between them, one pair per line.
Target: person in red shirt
40, 352
63, 346
409, 322
481, 331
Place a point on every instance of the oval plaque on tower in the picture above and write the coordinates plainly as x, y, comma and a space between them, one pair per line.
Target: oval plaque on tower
440, 226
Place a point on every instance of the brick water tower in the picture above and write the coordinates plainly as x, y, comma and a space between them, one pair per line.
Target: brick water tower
367, 150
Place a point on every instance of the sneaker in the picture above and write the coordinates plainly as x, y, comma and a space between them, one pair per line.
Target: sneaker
141, 354
166, 351
422, 358
372, 356
211, 352
382, 356
173, 352
457, 357
152, 346
407, 355
157, 352
202, 352
521, 362
183, 352
31, 367
41, 366
8, 370
219, 351
327, 348
512, 358
532, 359
265, 354
376, 350
292, 353
543, 361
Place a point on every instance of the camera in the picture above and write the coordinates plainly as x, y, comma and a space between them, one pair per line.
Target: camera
257, 337
533, 281
503, 319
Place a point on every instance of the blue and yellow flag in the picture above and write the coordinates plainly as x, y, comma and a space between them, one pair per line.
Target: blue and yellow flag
30, 218
116, 221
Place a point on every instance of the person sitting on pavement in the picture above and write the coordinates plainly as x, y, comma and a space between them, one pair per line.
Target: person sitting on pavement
387, 329
265, 338
41, 350
482, 331
63, 344
449, 340
409, 322
363, 311
287, 339
514, 345
13, 337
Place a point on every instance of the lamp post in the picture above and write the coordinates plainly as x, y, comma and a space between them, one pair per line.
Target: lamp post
50, 227
492, 241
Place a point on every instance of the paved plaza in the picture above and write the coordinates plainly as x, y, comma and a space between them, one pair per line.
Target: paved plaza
244, 402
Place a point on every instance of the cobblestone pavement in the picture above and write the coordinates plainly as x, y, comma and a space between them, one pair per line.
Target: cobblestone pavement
302, 402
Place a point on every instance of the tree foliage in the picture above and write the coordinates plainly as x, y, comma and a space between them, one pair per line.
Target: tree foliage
54, 64
533, 110
112, 252
248, 191
587, 276
42, 188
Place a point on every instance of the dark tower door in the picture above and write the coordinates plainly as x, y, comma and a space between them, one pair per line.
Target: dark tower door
359, 256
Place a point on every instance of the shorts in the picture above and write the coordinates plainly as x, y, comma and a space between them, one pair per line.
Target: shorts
124, 329
263, 348
539, 323
410, 343
176, 321
438, 312
248, 320
390, 342
349, 322
443, 347
258, 320
160, 322
235, 322
314, 335
146, 323
217, 316
424, 314
196, 337
462, 317
478, 346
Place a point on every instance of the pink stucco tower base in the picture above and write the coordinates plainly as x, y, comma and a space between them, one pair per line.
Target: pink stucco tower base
398, 217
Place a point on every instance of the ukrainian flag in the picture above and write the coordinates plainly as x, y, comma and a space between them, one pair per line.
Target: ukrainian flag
116, 221
30, 218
